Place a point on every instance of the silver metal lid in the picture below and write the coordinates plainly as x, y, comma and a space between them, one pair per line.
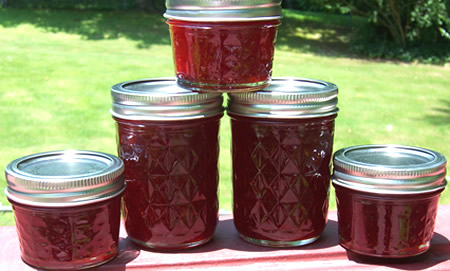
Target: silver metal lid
287, 98
64, 178
223, 10
389, 169
162, 99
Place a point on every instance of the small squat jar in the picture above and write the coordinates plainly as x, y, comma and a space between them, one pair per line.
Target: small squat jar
67, 208
282, 142
387, 198
223, 45
168, 139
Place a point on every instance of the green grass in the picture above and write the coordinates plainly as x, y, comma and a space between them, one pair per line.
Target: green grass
56, 69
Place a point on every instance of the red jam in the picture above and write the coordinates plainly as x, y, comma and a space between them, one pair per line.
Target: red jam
389, 226
63, 238
387, 198
67, 207
172, 178
281, 178
223, 56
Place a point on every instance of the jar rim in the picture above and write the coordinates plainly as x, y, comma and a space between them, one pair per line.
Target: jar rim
223, 10
64, 178
162, 99
392, 169
287, 98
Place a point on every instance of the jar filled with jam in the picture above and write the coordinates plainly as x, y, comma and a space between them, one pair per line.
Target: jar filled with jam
387, 198
67, 207
223, 45
168, 139
282, 143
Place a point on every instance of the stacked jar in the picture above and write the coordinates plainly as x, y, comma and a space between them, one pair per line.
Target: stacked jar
168, 139
67, 207
223, 45
387, 198
282, 143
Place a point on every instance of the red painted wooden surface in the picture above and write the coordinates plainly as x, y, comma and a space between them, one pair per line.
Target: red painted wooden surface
228, 252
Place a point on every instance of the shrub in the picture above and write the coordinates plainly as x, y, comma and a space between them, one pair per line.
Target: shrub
374, 42
402, 29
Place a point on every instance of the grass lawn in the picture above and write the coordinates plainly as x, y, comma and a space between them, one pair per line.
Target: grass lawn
56, 69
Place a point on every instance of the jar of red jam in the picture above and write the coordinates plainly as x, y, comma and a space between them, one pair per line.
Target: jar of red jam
387, 198
67, 207
168, 139
282, 142
223, 45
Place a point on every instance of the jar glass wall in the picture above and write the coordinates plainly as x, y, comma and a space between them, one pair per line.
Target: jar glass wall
386, 226
167, 137
223, 56
282, 143
68, 238
281, 180
172, 179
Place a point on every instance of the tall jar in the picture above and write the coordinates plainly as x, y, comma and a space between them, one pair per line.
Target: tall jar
223, 45
67, 207
282, 142
168, 138
387, 198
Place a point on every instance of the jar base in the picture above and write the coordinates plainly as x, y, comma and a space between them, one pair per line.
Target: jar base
217, 88
160, 246
383, 256
271, 243
75, 266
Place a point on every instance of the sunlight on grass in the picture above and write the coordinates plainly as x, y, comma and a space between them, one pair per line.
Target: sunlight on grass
6, 219
306, 34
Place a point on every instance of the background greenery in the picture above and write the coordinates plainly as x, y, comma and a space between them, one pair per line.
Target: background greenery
406, 30
57, 66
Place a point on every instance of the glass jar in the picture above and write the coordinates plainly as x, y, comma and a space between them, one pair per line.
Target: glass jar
223, 45
168, 139
67, 207
282, 142
387, 198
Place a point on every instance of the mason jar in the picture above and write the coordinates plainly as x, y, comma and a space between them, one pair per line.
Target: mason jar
282, 142
67, 207
387, 198
168, 138
223, 45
